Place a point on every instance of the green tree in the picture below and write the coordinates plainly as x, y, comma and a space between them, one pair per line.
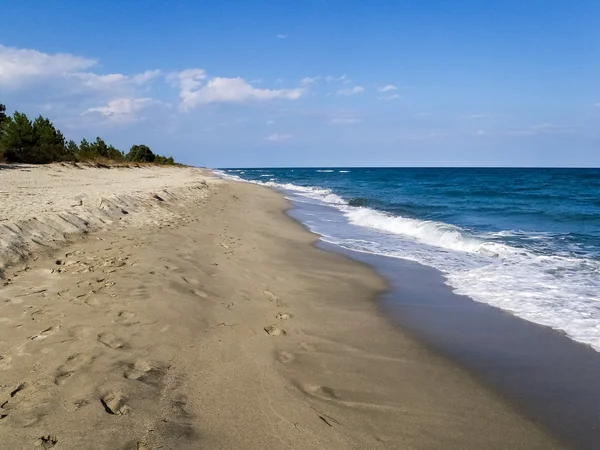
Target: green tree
41, 142
72, 150
3, 120
50, 142
84, 150
98, 148
140, 153
18, 138
114, 153
3, 117
164, 160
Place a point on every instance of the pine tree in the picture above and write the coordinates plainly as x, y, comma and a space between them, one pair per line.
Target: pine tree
72, 150
18, 139
98, 148
141, 153
3, 121
115, 154
50, 142
3, 117
84, 149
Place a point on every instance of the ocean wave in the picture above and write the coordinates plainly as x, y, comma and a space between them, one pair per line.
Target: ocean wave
438, 234
324, 170
430, 232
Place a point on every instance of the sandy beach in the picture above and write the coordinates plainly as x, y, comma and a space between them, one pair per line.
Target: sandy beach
163, 308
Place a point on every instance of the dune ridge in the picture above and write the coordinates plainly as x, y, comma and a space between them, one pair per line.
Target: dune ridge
41, 206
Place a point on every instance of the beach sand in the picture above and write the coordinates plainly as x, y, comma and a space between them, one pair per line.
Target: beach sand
207, 319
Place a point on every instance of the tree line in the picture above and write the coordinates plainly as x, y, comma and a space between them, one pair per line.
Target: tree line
40, 142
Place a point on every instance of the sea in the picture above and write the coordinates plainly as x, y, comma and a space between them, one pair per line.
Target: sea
526, 241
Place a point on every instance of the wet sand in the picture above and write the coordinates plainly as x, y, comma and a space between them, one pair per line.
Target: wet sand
222, 326
549, 377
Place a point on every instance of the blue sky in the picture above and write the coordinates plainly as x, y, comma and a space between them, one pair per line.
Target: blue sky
314, 83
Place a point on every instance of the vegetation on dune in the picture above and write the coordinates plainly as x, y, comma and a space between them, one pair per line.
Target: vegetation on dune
40, 142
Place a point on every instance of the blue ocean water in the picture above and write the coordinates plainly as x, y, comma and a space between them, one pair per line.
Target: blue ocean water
523, 240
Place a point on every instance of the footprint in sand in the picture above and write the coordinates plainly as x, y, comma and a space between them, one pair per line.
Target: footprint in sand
47, 441
39, 314
126, 317
274, 330
273, 298
94, 302
284, 357
308, 347
200, 293
45, 333
270, 295
145, 372
73, 363
74, 405
283, 316
315, 390
114, 403
19, 388
138, 369
110, 340
80, 331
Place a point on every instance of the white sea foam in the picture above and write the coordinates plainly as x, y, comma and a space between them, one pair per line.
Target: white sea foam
429, 232
558, 291
325, 171
344, 171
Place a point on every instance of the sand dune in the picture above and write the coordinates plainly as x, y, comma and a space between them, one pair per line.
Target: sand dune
218, 325
41, 205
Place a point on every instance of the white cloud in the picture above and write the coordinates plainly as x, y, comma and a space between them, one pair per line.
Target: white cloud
143, 78
281, 36
187, 80
477, 116
307, 81
341, 79
195, 91
351, 91
479, 133
388, 92
270, 122
597, 105
113, 80
21, 67
123, 108
17, 66
279, 137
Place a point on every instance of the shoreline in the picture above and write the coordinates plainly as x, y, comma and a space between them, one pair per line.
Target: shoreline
547, 376
227, 327
541, 371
